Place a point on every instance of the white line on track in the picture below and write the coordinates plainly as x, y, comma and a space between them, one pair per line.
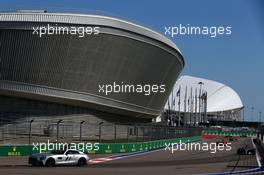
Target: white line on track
257, 153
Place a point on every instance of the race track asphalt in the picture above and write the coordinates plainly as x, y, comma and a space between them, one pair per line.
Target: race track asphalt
158, 162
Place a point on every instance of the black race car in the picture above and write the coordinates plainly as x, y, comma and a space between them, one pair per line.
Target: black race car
246, 151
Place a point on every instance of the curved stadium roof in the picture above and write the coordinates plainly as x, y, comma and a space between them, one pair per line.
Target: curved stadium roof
219, 96
98, 20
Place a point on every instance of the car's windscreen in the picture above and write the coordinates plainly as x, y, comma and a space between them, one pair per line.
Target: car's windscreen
57, 152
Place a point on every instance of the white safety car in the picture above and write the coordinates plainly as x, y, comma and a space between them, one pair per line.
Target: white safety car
59, 157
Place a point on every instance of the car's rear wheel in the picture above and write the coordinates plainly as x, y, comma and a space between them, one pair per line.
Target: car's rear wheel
50, 162
82, 162
34, 164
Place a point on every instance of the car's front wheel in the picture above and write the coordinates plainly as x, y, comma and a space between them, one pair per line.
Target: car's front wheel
50, 162
82, 162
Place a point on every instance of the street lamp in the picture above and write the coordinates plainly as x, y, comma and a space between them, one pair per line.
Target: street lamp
29, 134
260, 119
200, 93
115, 131
100, 130
58, 122
252, 109
81, 130
243, 110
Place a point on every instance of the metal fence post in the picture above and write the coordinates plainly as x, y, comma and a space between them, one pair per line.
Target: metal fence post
127, 133
115, 131
100, 131
29, 134
151, 129
58, 123
143, 133
81, 130
136, 128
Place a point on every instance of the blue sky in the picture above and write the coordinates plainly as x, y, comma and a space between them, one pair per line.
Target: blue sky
236, 60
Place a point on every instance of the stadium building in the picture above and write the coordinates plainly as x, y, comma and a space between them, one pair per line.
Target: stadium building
59, 74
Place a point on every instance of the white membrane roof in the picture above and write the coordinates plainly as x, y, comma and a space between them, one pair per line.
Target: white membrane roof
220, 97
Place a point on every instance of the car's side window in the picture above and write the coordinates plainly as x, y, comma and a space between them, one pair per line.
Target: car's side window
72, 152
75, 152
68, 152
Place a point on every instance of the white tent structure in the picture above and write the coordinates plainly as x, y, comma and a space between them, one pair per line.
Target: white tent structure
199, 100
